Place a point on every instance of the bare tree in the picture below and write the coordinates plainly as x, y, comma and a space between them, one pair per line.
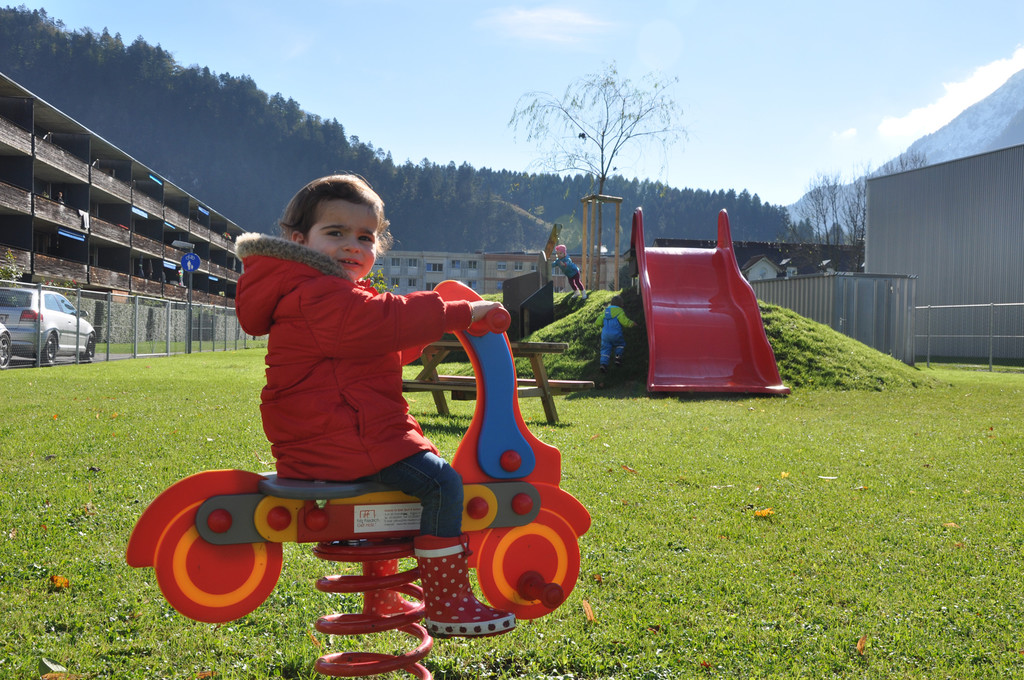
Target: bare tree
909, 160
588, 128
597, 117
854, 217
822, 205
836, 211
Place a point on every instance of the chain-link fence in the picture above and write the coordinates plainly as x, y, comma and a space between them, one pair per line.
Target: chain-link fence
992, 332
121, 326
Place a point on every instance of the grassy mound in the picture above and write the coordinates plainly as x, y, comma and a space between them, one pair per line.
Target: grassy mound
808, 354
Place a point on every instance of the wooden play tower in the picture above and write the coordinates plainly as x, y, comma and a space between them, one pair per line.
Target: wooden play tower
590, 267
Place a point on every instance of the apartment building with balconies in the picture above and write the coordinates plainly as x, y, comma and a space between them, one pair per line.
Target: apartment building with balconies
75, 208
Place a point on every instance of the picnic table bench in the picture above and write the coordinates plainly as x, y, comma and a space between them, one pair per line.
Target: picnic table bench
464, 386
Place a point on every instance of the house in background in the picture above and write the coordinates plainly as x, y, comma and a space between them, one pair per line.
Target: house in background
761, 267
406, 271
759, 260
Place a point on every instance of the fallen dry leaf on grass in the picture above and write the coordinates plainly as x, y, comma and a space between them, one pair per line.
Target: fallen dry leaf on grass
862, 644
588, 611
58, 582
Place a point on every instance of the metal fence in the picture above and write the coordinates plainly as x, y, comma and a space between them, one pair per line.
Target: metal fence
972, 332
876, 309
130, 326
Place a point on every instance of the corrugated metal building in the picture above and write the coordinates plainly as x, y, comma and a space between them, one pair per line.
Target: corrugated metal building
959, 228
876, 309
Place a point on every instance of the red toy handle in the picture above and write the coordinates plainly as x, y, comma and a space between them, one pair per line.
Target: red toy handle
498, 320
495, 321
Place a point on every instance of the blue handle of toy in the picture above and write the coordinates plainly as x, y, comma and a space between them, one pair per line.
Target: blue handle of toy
496, 387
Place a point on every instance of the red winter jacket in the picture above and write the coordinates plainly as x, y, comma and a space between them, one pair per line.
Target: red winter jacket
333, 407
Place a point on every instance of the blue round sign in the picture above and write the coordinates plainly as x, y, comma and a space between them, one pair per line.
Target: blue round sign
190, 262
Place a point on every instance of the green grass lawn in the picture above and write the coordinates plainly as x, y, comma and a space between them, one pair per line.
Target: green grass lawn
867, 530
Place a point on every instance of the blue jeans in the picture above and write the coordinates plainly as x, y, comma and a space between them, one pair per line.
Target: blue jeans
438, 486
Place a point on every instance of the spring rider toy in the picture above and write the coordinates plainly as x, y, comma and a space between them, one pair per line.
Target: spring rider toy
215, 538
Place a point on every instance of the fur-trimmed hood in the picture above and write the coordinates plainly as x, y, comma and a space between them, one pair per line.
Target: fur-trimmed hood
249, 245
275, 268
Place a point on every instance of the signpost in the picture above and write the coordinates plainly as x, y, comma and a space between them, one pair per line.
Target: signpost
189, 262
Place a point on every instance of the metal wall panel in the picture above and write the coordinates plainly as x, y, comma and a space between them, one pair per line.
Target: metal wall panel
959, 228
876, 309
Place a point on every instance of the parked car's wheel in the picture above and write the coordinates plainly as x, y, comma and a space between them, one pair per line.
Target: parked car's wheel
50, 348
5, 350
90, 348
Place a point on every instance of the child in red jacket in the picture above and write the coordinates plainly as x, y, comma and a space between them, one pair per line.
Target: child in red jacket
333, 407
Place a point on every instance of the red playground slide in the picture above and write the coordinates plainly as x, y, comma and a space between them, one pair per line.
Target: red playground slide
704, 329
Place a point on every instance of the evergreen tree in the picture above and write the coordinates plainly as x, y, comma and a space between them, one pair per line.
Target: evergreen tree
245, 152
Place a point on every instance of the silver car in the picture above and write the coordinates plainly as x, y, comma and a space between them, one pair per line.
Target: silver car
55, 327
5, 347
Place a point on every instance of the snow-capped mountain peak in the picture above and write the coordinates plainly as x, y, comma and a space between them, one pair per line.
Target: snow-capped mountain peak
979, 128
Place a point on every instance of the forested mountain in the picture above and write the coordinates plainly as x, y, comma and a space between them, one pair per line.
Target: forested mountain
245, 152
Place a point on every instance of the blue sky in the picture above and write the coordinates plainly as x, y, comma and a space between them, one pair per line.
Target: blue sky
772, 93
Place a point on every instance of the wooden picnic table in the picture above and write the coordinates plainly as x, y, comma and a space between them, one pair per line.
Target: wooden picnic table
464, 386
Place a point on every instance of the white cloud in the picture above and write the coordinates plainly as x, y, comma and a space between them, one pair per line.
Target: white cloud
845, 134
984, 81
546, 24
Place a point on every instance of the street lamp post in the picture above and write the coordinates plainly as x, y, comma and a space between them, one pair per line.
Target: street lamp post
188, 264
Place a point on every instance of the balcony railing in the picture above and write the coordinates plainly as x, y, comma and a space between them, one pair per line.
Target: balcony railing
114, 187
15, 199
223, 272
219, 240
147, 245
55, 212
58, 158
54, 268
176, 218
115, 233
152, 206
145, 286
15, 137
105, 278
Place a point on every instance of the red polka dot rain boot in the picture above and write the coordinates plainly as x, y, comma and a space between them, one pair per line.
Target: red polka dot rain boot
451, 607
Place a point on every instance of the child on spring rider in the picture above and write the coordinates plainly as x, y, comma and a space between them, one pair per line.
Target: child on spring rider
332, 406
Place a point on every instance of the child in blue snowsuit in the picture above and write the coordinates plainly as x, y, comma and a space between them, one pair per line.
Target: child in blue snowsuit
612, 341
571, 271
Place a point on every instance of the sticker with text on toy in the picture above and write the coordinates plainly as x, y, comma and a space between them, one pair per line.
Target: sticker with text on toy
387, 517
